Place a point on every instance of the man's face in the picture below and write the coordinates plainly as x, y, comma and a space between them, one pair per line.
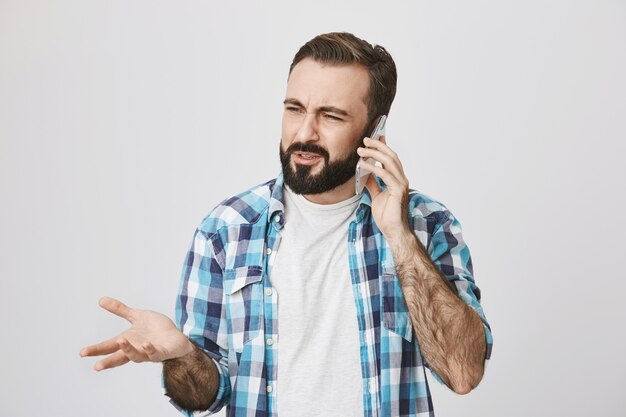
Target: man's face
324, 119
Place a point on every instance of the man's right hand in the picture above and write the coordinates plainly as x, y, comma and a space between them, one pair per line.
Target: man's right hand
152, 337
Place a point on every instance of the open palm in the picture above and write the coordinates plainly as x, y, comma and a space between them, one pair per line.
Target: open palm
152, 337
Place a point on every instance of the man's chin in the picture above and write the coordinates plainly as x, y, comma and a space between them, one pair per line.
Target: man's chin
310, 171
316, 178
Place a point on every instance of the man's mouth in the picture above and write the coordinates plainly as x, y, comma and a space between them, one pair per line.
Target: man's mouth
307, 155
306, 158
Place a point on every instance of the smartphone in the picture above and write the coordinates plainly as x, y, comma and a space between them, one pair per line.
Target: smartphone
362, 173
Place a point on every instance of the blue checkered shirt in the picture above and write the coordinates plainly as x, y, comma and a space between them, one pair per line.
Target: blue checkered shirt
226, 304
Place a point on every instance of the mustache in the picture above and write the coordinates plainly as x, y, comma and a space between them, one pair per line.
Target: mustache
308, 147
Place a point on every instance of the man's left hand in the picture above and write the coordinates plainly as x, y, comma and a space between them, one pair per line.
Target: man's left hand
389, 207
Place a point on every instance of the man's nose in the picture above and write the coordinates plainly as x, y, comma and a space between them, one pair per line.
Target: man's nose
308, 130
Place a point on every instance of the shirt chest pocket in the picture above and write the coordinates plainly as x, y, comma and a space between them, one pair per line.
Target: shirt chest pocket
243, 288
395, 312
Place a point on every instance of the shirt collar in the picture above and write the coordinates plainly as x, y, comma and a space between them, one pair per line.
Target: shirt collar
366, 201
277, 205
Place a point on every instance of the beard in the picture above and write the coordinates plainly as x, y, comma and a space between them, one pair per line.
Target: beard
333, 174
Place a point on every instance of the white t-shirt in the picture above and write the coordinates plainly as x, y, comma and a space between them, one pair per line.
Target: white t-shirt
318, 350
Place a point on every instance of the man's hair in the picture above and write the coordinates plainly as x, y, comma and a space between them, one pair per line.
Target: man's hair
341, 48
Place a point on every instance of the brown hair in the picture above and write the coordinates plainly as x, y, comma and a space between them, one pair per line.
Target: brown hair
345, 48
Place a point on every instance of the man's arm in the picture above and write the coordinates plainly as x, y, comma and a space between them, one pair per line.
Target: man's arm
201, 381
191, 381
191, 377
450, 333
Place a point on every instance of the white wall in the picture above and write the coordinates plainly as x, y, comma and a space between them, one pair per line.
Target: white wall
123, 122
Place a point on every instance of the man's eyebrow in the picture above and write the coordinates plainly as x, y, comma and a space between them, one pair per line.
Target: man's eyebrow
326, 109
333, 109
292, 101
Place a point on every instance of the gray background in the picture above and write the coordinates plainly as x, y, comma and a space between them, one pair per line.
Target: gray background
123, 122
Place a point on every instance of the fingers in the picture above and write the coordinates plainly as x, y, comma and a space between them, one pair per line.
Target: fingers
132, 353
387, 173
117, 359
382, 153
387, 163
123, 351
148, 348
103, 348
381, 145
384, 174
152, 352
143, 352
117, 307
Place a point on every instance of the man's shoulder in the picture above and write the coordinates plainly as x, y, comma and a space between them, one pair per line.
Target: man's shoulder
423, 205
246, 207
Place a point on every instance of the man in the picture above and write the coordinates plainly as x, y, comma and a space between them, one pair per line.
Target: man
301, 298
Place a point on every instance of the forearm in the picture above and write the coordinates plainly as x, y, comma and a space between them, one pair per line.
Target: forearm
450, 333
191, 381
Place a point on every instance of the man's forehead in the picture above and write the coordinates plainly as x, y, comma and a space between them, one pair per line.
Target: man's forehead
328, 84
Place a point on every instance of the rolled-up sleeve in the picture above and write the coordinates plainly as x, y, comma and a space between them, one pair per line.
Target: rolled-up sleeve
451, 255
200, 312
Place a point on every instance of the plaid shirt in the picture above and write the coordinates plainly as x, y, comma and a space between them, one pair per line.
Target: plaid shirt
227, 306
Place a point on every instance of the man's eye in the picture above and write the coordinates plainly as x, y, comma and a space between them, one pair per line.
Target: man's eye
331, 117
291, 109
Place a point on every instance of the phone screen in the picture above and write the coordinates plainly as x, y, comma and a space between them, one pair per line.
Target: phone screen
362, 173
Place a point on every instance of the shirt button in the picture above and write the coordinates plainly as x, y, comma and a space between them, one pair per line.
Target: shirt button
277, 218
269, 388
270, 341
268, 251
268, 291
